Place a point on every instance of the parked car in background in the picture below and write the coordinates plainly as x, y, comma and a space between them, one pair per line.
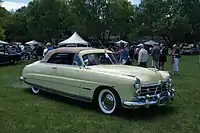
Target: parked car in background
7, 56
94, 75
187, 50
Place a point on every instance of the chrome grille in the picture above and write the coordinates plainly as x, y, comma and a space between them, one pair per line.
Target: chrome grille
152, 89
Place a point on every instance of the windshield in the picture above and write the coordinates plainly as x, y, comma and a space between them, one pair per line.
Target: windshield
99, 59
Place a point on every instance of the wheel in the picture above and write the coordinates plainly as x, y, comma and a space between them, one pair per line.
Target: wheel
23, 57
35, 90
108, 101
16, 61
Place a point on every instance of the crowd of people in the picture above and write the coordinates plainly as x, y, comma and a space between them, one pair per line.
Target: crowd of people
140, 54
126, 54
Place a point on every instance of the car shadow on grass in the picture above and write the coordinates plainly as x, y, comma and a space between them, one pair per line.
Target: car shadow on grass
147, 113
62, 99
129, 114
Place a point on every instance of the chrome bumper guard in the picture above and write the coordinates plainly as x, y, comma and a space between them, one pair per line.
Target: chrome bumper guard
145, 101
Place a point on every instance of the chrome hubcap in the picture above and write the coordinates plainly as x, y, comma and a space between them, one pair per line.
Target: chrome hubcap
35, 90
107, 101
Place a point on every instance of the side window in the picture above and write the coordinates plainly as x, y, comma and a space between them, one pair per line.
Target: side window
62, 58
1, 47
4, 52
77, 61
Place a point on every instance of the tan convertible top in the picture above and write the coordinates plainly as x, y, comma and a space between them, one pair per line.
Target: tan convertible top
64, 50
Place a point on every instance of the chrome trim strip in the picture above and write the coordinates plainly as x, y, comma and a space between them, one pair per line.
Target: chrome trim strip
78, 80
86, 88
143, 97
151, 85
154, 84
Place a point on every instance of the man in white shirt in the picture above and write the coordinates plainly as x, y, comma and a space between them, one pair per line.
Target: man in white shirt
142, 56
47, 48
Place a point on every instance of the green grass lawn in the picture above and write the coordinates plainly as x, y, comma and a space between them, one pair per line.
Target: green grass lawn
22, 112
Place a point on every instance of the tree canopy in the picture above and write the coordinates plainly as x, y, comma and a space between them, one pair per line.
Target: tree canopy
1, 19
47, 20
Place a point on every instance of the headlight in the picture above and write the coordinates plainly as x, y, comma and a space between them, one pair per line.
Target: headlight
137, 84
169, 82
169, 79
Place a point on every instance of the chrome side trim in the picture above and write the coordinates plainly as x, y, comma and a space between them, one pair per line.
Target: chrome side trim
80, 80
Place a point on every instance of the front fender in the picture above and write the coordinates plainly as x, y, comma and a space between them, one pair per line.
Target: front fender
125, 87
122, 84
165, 75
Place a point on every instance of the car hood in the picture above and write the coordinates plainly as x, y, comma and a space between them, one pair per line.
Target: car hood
146, 75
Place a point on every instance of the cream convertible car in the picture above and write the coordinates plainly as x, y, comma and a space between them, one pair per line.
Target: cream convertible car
94, 75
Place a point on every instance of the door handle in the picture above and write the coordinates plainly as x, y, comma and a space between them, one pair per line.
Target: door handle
54, 67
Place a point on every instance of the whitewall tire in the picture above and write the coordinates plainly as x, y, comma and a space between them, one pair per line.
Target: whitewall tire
34, 90
108, 101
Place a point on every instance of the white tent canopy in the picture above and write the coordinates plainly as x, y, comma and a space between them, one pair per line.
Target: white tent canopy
74, 39
150, 42
2, 42
121, 41
139, 44
32, 42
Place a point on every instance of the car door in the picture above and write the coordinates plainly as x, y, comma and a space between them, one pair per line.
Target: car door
8, 56
1, 53
41, 75
66, 78
1, 57
4, 56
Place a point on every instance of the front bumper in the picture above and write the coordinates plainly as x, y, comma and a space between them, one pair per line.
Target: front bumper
145, 101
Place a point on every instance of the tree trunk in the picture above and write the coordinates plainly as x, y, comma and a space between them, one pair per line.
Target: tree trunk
151, 37
98, 40
168, 40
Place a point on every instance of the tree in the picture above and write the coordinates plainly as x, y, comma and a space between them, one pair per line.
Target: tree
15, 27
1, 33
162, 18
102, 18
46, 19
174, 20
1, 19
192, 8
